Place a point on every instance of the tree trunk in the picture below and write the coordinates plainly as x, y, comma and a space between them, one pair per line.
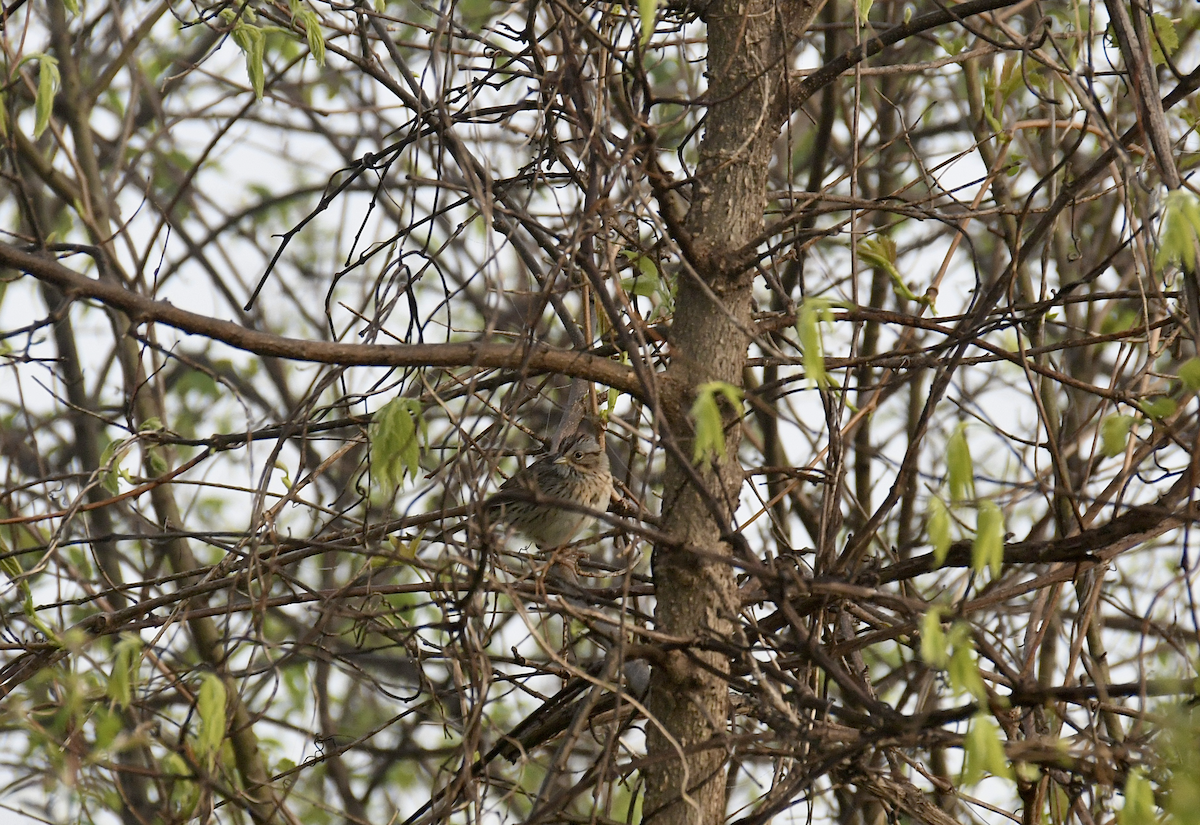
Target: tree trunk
694, 581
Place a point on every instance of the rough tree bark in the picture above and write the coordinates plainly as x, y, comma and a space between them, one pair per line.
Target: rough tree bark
694, 579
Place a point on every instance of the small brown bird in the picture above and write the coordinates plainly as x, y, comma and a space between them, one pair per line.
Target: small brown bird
539, 501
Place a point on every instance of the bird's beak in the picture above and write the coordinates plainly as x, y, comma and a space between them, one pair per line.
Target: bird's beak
562, 459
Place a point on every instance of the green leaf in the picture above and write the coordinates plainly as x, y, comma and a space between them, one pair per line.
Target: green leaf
864, 8
30, 611
118, 689
285, 479
252, 41
158, 463
812, 312
107, 725
934, 644
210, 705
9, 564
475, 14
110, 467
174, 766
646, 12
939, 530
1164, 39
1189, 374
124, 672
1114, 433
984, 752
612, 396
1178, 747
962, 671
951, 46
312, 32
993, 121
48, 82
199, 382
988, 549
16, 574
881, 253
184, 792
709, 443
1120, 319
732, 394
1179, 230
639, 286
960, 470
72, 6
395, 445
1012, 79
648, 282
406, 552
1159, 408
1139, 801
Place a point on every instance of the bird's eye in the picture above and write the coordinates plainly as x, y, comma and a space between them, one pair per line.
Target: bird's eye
579, 455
